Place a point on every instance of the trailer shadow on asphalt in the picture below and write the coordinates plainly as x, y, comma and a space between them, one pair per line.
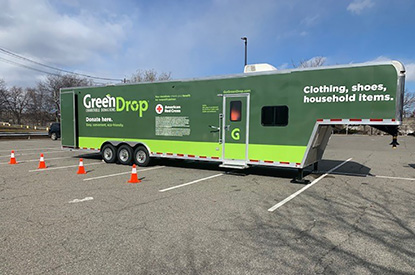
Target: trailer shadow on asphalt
89, 156
351, 168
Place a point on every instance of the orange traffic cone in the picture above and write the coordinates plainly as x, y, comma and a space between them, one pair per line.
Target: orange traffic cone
42, 164
12, 158
134, 178
81, 169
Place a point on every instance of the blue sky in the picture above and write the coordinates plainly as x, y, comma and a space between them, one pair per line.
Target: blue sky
201, 38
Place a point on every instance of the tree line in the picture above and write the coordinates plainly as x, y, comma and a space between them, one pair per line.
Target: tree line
40, 105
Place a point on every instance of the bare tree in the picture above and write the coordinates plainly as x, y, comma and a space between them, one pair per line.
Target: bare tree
317, 61
149, 76
2, 85
408, 103
37, 110
3, 100
50, 88
16, 101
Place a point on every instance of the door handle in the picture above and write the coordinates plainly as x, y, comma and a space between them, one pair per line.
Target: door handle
215, 129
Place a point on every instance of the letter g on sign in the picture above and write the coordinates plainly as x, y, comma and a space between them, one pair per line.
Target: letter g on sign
235, 134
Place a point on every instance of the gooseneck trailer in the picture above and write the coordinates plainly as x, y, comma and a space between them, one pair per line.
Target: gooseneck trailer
272, 118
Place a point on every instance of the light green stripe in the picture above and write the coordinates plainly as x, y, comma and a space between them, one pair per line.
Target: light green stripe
211, 149
277, 152
235, 151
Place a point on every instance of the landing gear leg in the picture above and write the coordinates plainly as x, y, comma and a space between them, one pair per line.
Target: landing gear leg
299, 178
394, 142
315, 168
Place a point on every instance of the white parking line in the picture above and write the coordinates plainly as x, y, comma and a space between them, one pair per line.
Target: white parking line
394, 178
281, 203
46, 152
82, 200
63, 167
370, 175
33, 160
192, 182
343, 174
30, 149
124, 173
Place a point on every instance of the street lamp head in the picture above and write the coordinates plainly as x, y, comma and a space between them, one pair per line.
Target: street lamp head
245, 39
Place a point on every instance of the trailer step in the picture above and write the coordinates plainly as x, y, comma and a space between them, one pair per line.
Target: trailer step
234, 165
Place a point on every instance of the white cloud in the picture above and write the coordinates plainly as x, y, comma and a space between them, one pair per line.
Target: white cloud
381, 59
200, 41
284, 66
357, 6
37, 30
310, 20
410, 72
104, 38
409, 67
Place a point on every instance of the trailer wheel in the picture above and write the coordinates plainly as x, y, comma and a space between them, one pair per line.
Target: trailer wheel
141, 156
125, 154
54, 136
108, 153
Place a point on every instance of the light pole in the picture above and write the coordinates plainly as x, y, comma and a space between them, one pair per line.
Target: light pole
246, 49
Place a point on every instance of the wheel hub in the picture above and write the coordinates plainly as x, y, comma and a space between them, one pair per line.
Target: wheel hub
124, 155
141, 157
108, 154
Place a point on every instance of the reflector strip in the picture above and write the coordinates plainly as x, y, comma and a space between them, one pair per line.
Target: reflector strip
269, 161
283, 162
191, 156
180, 155
202, 157
355, 119
214, 157
254, 160
169, 154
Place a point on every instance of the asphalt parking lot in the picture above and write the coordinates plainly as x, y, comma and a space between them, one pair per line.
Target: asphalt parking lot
359, 219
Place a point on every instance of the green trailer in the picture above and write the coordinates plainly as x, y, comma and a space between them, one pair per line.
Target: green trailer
275, 118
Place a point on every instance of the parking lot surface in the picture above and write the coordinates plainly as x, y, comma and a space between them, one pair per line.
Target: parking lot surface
194, 218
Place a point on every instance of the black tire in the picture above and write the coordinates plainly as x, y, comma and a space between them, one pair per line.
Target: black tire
141, 156
108, 153
53, 136
124, 154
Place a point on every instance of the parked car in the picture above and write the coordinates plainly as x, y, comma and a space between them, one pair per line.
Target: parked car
55, 131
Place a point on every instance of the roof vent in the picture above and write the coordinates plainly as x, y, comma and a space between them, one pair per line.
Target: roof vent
262, 67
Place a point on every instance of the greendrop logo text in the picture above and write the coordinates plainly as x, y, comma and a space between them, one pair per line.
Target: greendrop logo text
118, 104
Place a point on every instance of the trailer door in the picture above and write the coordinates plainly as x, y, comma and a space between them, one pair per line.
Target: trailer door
235, 131
68, 119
